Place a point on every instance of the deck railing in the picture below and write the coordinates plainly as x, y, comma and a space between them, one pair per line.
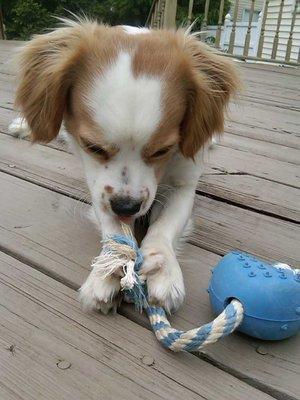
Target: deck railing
162, 14
262, 39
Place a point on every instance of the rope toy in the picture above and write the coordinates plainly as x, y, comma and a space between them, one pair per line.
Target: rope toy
238, 307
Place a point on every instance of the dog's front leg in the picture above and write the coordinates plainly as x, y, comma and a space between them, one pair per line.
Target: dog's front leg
167, 227
98, 292
161, 268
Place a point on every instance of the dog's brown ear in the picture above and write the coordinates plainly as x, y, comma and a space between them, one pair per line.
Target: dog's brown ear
46, 72
213, 81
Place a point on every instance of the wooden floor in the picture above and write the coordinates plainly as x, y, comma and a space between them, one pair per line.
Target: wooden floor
248, 199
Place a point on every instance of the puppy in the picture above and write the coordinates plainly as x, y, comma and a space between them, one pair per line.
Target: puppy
138, 107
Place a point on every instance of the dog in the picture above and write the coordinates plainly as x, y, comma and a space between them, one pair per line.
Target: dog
138, 107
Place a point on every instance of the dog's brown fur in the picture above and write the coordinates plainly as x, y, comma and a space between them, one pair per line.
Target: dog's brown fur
58, 67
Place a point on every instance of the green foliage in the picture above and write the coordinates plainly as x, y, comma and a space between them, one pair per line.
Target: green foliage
124, 11
22, 18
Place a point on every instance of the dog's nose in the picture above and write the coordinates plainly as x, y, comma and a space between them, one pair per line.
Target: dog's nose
125, 206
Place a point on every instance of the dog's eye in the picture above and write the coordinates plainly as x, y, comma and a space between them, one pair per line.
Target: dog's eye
161, 152
95, 149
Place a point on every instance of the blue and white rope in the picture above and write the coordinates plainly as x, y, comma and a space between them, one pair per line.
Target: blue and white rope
195, 339
125, 249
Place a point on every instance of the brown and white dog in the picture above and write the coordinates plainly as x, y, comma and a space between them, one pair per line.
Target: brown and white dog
138, 106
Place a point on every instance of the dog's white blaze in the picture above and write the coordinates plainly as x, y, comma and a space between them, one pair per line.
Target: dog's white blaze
126, 106
134, 30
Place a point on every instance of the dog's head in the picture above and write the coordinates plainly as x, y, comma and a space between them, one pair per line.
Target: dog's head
129, 102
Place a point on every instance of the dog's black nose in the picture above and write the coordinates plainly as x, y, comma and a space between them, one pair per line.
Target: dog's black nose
125, 206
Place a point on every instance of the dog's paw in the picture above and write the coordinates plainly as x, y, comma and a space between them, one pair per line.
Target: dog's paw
164, 277
98, 293
19, 128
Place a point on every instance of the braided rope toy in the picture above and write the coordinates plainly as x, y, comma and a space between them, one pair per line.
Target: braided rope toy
122, 251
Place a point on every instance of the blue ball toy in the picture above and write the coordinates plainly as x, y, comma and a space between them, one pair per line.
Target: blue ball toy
270, 295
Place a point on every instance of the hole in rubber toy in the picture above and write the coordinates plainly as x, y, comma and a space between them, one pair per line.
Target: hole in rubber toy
228, 300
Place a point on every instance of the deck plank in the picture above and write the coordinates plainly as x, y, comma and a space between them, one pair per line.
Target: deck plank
222, 227
265, 134
231, 161
263, 93
261, 73
265, 115
254, 193
219, 227
43, 320
7, 99
62, 172
6, 116
275, 151
48, 235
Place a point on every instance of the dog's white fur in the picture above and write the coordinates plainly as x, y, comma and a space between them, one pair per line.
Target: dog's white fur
129, 109
169, 222
134, 111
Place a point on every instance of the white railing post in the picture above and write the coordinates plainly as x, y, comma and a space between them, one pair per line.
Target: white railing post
262, 30
276, 37
224, 32
249, 29
290, 39
233, 29
257, 36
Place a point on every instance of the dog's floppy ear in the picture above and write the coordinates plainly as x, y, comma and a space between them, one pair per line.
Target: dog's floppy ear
213, 81
46, 72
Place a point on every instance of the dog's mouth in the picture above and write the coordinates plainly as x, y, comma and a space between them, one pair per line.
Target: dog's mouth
125, 219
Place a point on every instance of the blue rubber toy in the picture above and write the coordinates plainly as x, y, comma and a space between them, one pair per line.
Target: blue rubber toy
270, 295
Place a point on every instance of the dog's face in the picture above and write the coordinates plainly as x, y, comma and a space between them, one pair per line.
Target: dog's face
118, 119
129, 102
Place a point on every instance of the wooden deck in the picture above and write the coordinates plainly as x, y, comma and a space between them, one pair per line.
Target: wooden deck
248, 199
